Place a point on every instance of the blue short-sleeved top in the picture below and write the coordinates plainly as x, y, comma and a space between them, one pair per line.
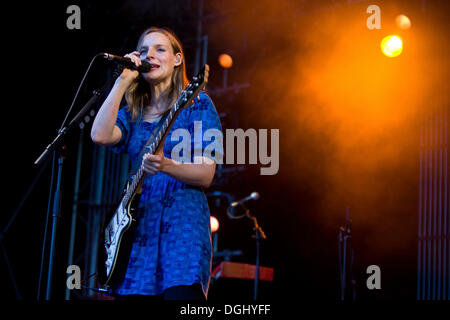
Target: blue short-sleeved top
173, 235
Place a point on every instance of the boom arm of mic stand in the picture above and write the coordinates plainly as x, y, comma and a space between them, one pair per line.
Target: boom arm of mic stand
78, 118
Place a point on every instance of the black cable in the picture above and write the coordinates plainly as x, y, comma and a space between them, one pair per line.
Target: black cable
79, 88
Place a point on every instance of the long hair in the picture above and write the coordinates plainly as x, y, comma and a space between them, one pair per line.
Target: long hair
138, 95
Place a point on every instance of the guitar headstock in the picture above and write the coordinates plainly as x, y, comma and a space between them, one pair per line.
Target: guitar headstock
201, 79
193, 89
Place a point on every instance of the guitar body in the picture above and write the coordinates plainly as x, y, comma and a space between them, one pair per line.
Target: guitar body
116, 242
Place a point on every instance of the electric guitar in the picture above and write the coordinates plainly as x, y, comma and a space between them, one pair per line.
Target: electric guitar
117, 238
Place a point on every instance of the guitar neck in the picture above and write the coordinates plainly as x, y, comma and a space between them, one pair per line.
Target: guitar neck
152, 148
187, 96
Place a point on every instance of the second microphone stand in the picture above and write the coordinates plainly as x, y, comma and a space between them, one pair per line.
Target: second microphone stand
346, 251
259, 234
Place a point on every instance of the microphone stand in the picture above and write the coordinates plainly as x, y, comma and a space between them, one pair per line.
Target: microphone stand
57, 147
344, 239
259, 234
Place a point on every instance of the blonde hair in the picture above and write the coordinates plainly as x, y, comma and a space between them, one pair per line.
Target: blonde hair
138, 95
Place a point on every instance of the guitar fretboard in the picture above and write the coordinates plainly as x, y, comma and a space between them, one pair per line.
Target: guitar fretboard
185, 97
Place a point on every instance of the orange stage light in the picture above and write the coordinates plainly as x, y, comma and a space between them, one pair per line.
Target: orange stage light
225, 61
403, 22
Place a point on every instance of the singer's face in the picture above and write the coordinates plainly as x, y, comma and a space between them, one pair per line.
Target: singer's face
157, 50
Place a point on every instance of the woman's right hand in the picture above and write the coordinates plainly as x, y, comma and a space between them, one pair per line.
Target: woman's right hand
128, 76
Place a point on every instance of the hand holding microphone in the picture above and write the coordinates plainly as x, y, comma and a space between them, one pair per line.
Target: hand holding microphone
133, 66
130, 61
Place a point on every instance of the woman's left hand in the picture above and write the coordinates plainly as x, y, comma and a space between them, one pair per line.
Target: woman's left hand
153, 163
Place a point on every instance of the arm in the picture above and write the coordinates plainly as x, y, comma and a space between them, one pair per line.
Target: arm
104, 130
197, 174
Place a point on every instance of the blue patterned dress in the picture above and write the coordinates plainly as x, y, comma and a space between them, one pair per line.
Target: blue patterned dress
173, 236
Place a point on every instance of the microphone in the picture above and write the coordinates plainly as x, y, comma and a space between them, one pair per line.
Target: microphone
254, 196
127, 63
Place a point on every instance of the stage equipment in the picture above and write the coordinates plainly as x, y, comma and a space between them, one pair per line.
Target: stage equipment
56, 148
259, 233
346, 251
392, 46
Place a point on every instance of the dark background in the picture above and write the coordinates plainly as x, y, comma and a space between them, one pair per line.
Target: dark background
301, 208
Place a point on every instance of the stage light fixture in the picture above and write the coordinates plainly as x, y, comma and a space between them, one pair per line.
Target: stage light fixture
214, 224
403, 22
225, 61
392, 46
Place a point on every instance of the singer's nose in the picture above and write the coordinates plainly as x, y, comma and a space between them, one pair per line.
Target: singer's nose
150, 54
146, 55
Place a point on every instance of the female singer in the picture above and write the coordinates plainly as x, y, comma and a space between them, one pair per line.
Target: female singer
171, 254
